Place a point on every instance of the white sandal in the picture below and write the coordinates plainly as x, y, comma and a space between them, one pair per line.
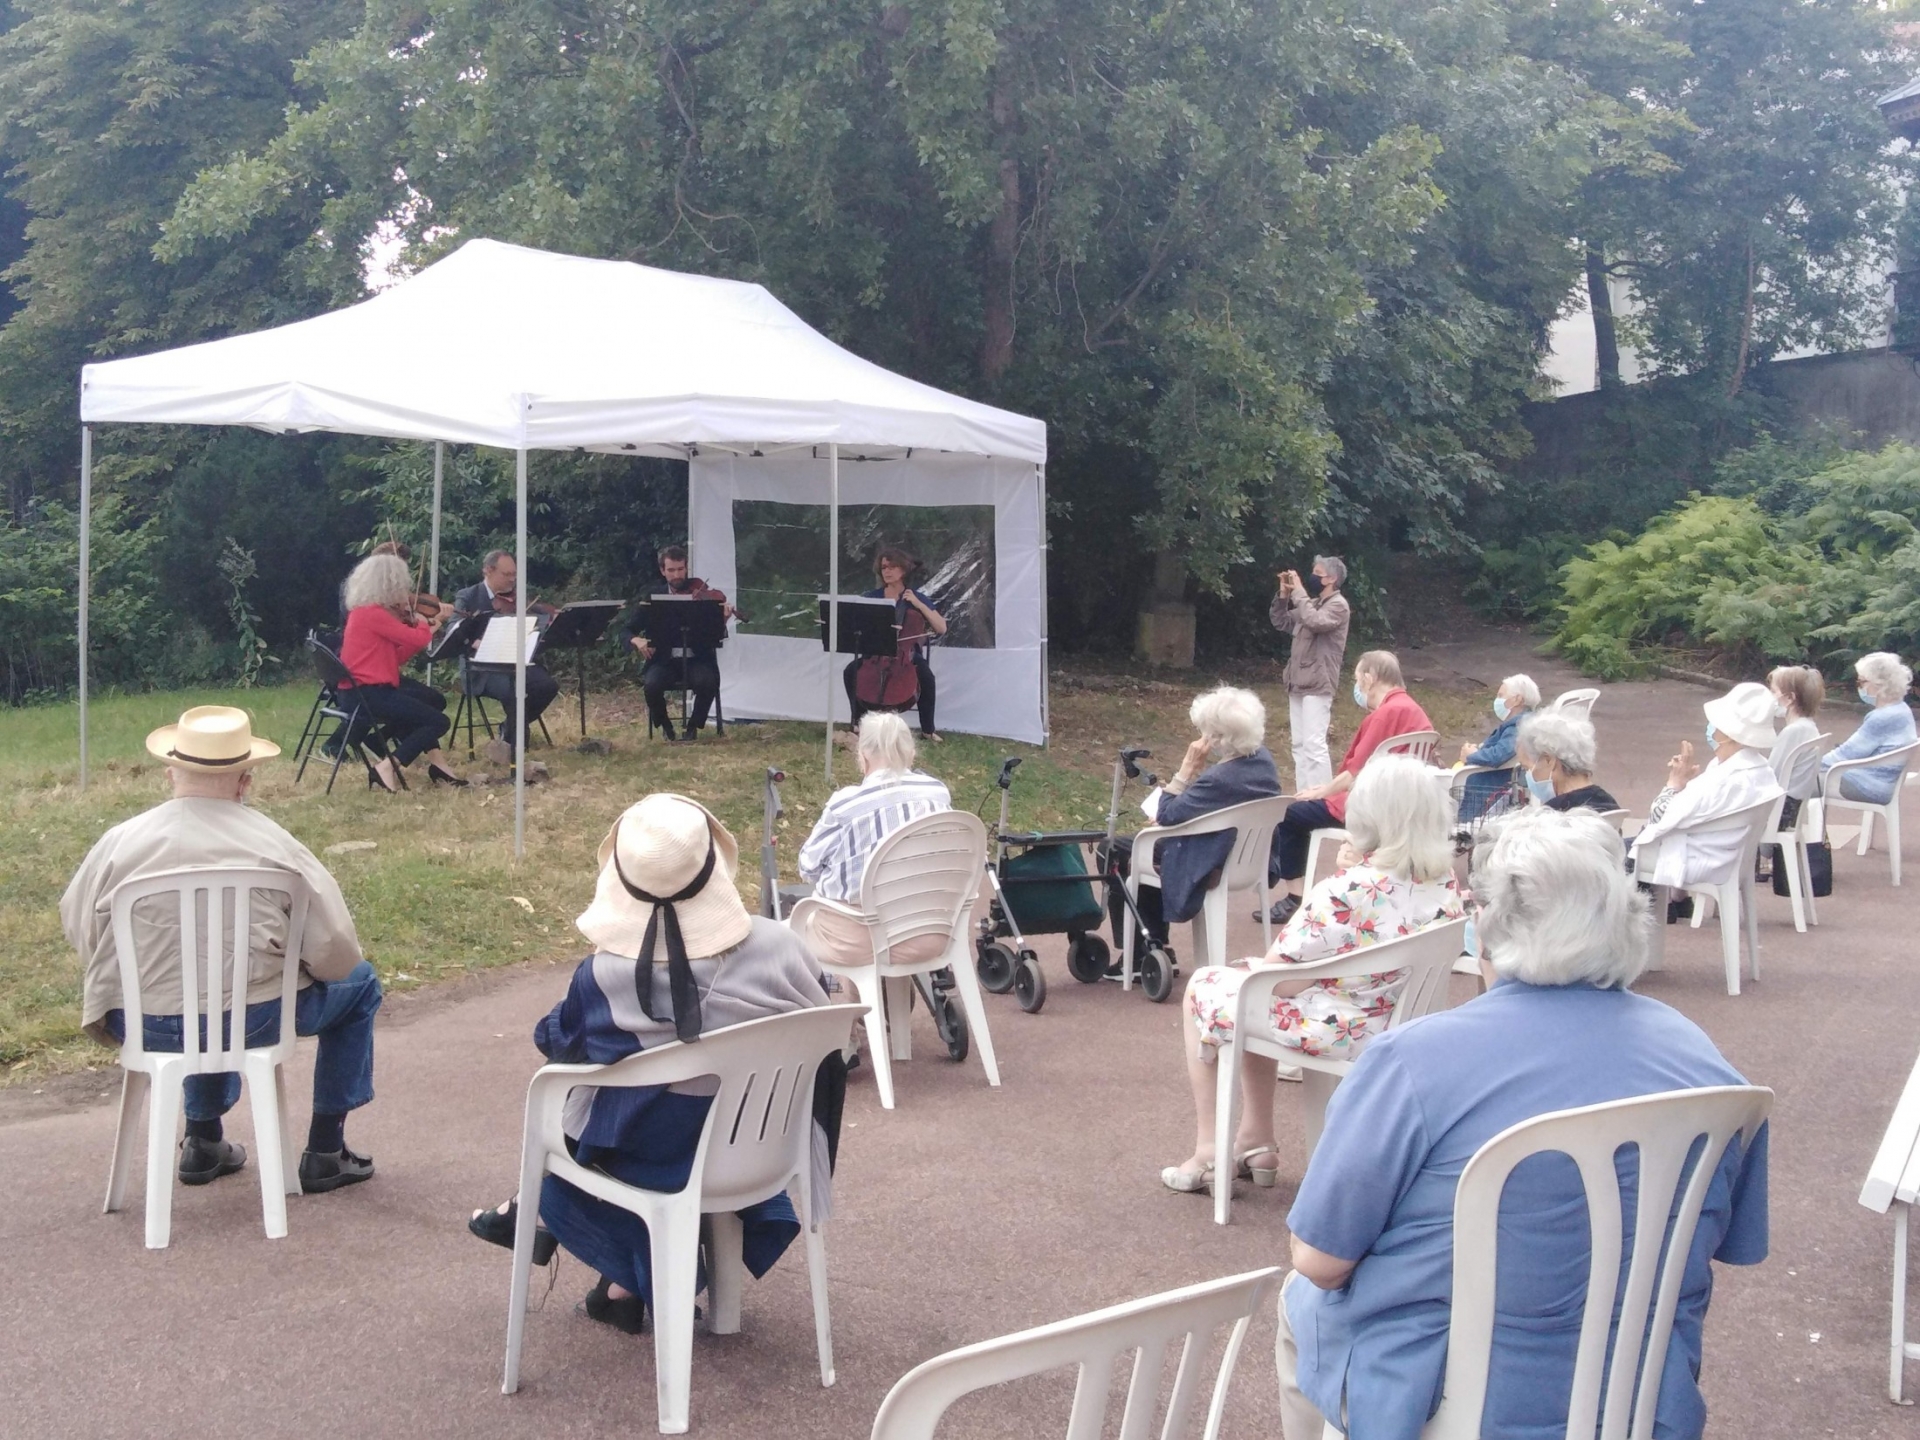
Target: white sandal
1187, 1182
1262, 1175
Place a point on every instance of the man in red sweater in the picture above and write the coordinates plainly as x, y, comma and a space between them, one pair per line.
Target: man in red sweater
1379, 690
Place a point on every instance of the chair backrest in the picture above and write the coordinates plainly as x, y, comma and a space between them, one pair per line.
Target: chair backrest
1803, 761
1093, 1342
921, 879
1664, 1129
213, 909
327, 665
1758, 821
1252, 823
1426, 956
1615, 818
1420, 744
760, 1128
1901, 757
1575, 702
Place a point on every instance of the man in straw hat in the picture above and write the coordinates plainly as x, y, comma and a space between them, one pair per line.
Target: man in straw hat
676, 955
1740, 733
210, 755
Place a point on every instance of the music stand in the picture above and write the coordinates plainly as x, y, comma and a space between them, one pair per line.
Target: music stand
868, 627
682, 624
456, 641
579, 627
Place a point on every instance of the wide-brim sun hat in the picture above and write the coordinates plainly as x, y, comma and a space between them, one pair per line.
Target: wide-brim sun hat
1745, 714
660, 845
215, 739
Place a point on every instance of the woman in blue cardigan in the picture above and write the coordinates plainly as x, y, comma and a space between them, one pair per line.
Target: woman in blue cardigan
1516, 697
1884, 681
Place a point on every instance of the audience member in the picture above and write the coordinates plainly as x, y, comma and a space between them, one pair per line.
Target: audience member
1797, 693
210, 755
1316, 615
1883, 683
1740, 732
1364, 1317
1399, 879
1517, 697
1556, 754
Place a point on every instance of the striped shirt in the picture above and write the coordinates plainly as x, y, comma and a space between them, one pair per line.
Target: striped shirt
857, 819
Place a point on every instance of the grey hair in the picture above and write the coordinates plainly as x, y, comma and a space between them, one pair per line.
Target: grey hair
1522, 686
885, 741
1333, 565
1557, 905
1555, 735
1382, 665
1398, 816
378, 580
1884, 674
491, 560
1233, 722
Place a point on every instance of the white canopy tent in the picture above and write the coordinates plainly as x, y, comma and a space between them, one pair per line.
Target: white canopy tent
526, 350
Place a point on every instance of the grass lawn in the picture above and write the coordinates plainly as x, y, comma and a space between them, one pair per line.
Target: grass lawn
441, 895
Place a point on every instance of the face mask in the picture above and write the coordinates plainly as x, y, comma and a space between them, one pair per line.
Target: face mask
1359, 695
1865, 698
1313, 585
1779, 709
1541, 790
1500, 710
1713, 736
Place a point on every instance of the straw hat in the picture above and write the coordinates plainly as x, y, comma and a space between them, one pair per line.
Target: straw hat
663, 844
215, 739
1744, 713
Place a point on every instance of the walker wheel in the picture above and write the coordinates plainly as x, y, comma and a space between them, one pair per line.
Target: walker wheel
1029, 985
1156, 974
1088, 958
951, 1024
995, 967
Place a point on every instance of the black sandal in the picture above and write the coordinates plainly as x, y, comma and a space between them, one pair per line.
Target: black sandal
496, 1227
626, 1313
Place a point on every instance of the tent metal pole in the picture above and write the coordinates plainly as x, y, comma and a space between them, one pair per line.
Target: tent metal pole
833, 587
1046, 629
86, 563
520, 650
433, 543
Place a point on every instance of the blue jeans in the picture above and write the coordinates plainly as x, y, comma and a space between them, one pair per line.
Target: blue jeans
339, 1012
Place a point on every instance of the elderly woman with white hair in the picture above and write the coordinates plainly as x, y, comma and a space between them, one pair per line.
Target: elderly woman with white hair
1555, 752
1516, 698
1399, 879
1372, 1225
1226, 764
1740, 730
1883, 684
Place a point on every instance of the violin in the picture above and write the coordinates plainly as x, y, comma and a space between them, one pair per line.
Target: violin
890, 682
503, 605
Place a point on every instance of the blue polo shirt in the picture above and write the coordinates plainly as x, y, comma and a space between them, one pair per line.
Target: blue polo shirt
1419, 1102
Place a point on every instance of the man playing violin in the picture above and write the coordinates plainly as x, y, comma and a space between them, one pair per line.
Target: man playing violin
494, 595
892, 566
660, 671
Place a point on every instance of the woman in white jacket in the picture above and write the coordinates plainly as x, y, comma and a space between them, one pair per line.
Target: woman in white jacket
1740, 731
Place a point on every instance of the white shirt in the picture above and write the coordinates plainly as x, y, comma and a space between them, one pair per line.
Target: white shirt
1691, 858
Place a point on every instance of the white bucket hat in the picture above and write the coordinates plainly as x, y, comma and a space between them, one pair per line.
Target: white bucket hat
1745, 714
214, 739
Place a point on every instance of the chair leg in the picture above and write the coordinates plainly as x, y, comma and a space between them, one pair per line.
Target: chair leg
1226, 1095
967, 981
899, 990
270, 1140
873, 995
163, 1123
1893, 835
289, 1156
726, 1275
1749, 904
1866, 832
676, 1256
133, 1090
1210, 928
1730, 939
1806, 882
1317, 1089
1793, 855
817, 1279
532, 1171
1127, 941
1657, 929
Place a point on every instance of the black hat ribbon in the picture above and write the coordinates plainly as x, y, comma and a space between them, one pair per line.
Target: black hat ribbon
680, 983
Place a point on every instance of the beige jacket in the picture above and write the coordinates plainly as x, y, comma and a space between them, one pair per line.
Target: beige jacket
1319, 630
206, 833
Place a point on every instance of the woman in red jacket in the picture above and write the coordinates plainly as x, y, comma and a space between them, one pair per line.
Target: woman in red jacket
381, 637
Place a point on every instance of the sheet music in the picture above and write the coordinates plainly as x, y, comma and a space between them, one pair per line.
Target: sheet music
496, 647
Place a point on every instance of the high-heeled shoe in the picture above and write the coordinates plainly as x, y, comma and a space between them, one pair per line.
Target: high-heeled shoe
1262, 1175
626, 1313
445, 777
377, 781
496, 1227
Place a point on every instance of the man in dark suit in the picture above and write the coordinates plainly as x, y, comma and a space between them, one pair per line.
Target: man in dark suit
493, 595
661, 671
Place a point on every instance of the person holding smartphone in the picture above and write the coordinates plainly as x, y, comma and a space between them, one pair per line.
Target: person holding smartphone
1315, 613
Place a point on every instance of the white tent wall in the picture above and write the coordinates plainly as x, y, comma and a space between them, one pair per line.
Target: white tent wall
1002, 691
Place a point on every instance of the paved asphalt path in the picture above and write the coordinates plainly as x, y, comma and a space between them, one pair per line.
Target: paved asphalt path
966, 1213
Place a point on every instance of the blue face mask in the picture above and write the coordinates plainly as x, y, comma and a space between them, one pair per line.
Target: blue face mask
1500, 709
1359, 695
1541, 790
1865, 698
1713, 737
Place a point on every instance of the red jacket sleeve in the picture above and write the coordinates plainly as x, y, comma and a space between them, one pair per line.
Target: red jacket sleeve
407, 640
1399, 714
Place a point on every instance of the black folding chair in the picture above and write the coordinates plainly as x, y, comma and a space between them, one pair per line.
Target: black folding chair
352, 728
472, 712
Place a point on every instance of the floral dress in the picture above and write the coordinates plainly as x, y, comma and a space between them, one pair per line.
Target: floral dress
1360, 906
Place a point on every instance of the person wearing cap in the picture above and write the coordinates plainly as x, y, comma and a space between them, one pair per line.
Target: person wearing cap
210, 755
1740, 733
675, 955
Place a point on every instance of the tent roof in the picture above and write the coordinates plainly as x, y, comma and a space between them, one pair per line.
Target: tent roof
502, 345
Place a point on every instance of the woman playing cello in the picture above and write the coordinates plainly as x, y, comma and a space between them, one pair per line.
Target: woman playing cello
880, 682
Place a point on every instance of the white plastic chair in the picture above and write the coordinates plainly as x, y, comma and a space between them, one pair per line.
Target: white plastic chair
1732, 893
920, 880
1188, 1317
1428, 958
1253, 823
1457, 780
1576, 702
1807, 828
1420, 744
757, 1142
1616, 1384
214, 974
1830, 794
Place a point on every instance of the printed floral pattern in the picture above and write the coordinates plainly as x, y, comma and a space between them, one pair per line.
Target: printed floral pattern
1358, 907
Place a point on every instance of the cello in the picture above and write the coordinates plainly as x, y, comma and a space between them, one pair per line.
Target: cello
892, 682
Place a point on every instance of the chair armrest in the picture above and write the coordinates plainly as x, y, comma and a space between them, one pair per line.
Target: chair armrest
808, 903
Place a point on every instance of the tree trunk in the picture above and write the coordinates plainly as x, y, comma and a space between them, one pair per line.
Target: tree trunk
1746, 331
1606, 343
1003, 236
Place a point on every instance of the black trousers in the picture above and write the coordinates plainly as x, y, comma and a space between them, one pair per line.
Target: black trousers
1295, 834
413, 715
920, 668
664, 673
1120, 862
498, 685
